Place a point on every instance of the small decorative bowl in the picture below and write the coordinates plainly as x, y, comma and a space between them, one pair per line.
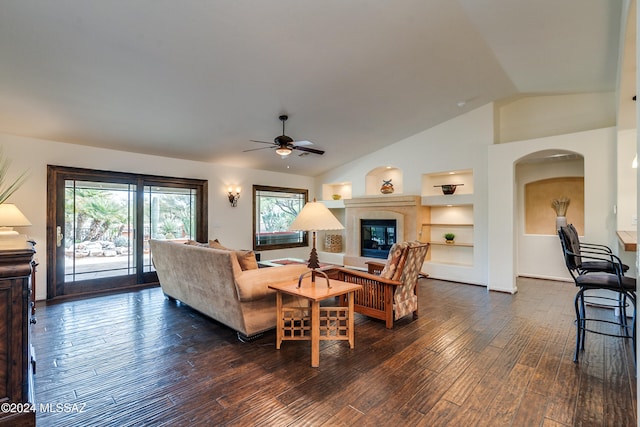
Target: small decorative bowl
336, 197
448, 188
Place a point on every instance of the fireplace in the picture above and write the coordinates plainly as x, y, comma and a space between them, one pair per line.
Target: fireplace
406, 211
376, 237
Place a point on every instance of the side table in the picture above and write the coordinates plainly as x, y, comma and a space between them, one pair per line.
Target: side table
314, 323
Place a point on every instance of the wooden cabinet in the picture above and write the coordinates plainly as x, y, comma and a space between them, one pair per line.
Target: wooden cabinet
16, 356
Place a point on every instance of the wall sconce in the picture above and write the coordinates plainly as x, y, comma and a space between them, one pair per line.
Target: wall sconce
233, 197
634, 163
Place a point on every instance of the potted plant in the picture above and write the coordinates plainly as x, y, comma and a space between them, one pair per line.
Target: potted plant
7, 189
449, 238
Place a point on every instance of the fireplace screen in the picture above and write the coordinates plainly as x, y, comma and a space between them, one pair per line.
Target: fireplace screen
376, 237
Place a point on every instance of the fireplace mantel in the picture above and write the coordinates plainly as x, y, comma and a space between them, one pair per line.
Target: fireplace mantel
383, 200
407, 210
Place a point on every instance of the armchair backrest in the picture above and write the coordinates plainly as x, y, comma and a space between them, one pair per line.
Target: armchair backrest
405, 261
395, 261
405, 297
414, 259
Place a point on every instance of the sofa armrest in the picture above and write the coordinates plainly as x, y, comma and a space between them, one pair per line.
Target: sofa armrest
254, 284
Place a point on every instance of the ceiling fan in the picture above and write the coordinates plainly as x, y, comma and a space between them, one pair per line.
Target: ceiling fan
284, 145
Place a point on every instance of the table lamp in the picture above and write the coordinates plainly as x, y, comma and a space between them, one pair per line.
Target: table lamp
10, 216
315, 216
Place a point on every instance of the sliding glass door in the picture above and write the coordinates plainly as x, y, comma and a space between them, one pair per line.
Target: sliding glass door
94, 241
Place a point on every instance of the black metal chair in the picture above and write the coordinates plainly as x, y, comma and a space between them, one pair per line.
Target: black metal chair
611, 278
590, 266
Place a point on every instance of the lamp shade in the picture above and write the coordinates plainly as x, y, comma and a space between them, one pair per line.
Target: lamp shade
315, 216
10, 216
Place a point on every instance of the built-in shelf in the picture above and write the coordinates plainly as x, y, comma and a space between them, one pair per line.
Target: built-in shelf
431, 183
450, 213
336, 190
449, 225
333, 204
446, 200
336, 258
450, 263
466, 245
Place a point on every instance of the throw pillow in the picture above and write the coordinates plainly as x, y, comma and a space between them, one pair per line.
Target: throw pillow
215, 244
247, 260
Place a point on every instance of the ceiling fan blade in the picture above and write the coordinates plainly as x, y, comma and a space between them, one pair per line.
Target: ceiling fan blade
255, 149
262, 142
302, 143
309, 150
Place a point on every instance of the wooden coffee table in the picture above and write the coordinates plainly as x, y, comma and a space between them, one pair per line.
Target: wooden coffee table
314, 323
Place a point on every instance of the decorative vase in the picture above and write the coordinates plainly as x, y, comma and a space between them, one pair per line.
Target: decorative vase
561, 221
387, 187
449, 242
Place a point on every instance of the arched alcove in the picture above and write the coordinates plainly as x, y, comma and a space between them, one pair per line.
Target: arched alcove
505, 238
542, 177
378, 176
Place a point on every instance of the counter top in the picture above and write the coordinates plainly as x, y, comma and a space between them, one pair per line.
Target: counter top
628, 240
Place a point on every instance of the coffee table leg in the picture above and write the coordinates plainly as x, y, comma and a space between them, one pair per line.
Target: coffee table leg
279, 320
315, 334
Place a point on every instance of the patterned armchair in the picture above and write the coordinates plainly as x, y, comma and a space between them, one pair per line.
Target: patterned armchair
393, 293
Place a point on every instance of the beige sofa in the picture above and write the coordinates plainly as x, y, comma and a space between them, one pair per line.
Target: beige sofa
212, 282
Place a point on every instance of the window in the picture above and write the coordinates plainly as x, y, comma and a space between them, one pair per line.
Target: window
274, 209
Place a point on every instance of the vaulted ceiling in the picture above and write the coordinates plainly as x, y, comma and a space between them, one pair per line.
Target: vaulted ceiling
199, 79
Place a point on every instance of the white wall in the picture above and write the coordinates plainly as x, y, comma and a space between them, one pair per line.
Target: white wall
540, 116
457, 144
627, 186
232, 226
598, 149
627, 193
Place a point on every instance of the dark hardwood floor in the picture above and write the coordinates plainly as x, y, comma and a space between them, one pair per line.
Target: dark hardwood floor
473, 358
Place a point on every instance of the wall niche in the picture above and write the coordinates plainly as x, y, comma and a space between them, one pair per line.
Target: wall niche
540, 217
378, 176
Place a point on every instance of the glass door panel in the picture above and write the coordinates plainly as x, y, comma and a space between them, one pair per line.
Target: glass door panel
169, 214
99, 224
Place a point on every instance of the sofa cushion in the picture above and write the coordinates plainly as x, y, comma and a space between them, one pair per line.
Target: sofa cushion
194, 243
254, 284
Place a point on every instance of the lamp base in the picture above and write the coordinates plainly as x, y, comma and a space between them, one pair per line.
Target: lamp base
313, 273
7, 231
313, 264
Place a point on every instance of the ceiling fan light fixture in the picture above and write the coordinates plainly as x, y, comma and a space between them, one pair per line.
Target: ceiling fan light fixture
283, 151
